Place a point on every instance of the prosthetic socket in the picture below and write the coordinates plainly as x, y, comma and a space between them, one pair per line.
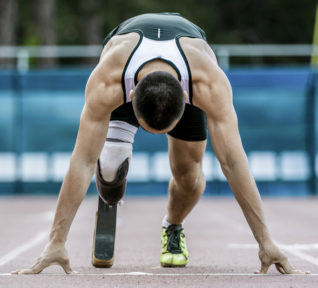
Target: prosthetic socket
112, 166
112, 169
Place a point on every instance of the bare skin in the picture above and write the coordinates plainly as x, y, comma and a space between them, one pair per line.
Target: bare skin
188, 182
212, 93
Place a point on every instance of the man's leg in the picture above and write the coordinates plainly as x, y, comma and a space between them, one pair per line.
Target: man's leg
185, 189
111, 172
188, 182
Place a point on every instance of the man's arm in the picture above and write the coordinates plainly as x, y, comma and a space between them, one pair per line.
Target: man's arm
99, 102
227, 145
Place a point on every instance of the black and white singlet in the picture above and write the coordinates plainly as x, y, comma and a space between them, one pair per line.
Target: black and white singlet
159, 39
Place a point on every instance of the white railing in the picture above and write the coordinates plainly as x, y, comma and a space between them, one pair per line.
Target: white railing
223, 52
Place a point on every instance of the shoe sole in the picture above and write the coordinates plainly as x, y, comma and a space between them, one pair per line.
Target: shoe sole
166, 265
100, 263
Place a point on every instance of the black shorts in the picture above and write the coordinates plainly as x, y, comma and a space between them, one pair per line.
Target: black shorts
191, 127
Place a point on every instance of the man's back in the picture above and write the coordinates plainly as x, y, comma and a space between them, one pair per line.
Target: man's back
120, 48
159, 26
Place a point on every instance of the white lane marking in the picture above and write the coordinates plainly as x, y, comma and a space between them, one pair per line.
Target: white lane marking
293, 249
311, 246
301, 255
24, 247
139, 273
162, 274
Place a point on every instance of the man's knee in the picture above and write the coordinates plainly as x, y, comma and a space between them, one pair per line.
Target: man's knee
189, 178
112, 169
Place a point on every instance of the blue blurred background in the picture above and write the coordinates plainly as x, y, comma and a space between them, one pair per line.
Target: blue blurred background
42, 81
39, 117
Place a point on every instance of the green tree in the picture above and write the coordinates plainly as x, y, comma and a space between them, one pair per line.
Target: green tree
8, 16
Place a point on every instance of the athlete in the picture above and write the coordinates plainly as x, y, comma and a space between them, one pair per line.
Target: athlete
157, 71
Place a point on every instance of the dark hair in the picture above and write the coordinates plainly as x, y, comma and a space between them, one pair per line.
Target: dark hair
159, 100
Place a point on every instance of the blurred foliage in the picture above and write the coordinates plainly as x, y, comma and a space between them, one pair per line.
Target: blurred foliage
231, 21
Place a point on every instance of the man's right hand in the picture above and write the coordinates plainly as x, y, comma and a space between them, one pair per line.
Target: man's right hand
52, 254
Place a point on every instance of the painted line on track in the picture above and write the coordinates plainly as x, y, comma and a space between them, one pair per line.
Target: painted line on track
163, 274
294, 249
24, 247
310, 246
301, 255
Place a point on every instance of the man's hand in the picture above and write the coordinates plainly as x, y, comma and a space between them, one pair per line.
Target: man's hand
52, 254
270, 254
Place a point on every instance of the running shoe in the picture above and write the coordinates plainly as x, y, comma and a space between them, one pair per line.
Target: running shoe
174, 251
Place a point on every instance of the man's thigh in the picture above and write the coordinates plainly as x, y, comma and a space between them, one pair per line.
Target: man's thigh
185, 155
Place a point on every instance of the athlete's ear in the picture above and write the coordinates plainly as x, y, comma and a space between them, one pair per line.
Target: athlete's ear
186, 96
131, 94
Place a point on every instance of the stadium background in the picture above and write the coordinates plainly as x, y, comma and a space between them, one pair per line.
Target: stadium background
41, 95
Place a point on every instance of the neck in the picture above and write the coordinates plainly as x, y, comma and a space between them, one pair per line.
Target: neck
156, 65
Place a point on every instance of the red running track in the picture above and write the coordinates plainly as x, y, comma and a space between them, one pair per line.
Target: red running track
223, 252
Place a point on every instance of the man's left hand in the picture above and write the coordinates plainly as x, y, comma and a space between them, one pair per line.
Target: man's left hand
270, 254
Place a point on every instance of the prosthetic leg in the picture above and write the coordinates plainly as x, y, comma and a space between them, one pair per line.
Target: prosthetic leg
110, 193
104, 235
111, 172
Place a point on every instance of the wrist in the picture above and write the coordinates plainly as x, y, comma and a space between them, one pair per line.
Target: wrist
265, 242
263, 237
55, 238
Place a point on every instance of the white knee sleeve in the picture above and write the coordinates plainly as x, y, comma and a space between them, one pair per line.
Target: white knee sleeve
121, 130
112, 156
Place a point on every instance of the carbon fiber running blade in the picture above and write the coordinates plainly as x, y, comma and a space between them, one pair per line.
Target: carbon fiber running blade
105, 232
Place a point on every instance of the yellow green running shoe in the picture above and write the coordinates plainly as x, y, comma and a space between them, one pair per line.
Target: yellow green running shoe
174, 251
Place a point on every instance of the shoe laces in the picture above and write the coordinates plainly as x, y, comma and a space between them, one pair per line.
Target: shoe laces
174, 233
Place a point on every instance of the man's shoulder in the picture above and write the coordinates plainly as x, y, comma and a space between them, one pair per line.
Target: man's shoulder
121, 44
200, 56
104, 87
116, 53
209, 82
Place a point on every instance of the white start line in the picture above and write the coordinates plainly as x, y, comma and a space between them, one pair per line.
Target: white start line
160, 274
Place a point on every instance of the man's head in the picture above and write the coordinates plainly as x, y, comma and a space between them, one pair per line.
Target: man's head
158, 102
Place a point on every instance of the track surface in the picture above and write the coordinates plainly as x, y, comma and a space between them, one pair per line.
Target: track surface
222, 250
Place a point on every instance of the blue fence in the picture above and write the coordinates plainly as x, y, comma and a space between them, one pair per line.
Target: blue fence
39, 117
